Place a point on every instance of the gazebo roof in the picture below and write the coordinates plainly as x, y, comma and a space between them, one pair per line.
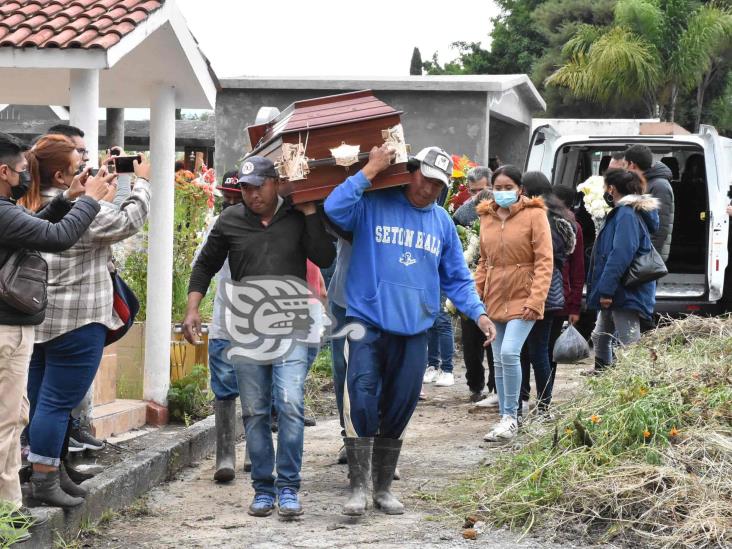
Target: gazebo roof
71, 23
137, 44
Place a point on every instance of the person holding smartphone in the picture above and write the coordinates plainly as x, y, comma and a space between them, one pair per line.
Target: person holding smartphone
55, 228
70, 341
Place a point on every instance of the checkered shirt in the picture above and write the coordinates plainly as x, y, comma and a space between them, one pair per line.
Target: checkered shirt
79, 282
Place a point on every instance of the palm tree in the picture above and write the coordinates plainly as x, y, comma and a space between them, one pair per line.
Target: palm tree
654, 50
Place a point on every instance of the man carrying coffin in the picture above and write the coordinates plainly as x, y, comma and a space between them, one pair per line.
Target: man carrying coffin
267, 242
405, 250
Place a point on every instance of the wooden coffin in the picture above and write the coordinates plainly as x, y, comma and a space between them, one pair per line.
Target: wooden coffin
300, 141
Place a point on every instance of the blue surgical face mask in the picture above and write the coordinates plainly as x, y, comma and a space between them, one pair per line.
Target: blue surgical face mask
505, 199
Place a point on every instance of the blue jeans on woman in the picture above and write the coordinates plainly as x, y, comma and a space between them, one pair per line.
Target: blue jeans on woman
258, 383
440, 343
61, 372
510, 337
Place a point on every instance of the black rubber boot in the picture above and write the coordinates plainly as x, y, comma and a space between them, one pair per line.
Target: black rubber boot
383, 465
359, 450
74, 474
68, 485
225, 411
46, 489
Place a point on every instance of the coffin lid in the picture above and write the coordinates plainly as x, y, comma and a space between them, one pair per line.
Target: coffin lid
321, 112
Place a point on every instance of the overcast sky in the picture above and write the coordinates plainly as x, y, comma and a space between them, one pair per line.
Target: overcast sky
324, 37
329, 38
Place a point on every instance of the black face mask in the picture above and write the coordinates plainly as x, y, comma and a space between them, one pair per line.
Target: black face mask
22, 187
225, 205
609, 199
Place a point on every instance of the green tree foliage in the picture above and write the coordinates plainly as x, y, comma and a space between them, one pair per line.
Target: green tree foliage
654, 51
415, 67
661, 57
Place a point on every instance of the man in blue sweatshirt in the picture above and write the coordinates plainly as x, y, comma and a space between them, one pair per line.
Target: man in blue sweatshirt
405, 250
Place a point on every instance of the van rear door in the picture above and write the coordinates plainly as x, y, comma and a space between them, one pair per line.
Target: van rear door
541, 150
718, 158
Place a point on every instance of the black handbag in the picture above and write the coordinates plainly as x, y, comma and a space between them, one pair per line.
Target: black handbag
23, 282
645, 267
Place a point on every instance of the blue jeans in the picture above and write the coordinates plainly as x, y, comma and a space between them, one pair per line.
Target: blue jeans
383, 380
338, 355
257, 384
440, 343
223, 375
61, 372
510, 337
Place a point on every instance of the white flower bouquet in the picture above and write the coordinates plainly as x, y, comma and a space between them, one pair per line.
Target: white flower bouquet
593, 190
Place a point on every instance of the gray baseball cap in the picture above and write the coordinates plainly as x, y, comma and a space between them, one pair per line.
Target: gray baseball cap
434, 163
255, 170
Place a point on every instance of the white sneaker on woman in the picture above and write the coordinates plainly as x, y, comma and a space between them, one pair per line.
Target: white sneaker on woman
505, 430
444, 379
488, 402
429, 375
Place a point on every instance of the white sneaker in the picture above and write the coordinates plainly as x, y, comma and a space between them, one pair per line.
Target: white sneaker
429, 375
505, 430
488, 402
445, 379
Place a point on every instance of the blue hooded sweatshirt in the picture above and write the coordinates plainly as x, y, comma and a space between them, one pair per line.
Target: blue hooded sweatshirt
402, 256
625, 235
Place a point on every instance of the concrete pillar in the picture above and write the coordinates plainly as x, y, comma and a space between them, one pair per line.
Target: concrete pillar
486, 150
84, 106
116, 127
160, 250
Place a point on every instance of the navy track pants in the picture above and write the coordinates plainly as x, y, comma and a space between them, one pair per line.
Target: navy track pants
383, 381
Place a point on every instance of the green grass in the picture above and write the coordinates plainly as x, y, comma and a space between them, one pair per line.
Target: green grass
642, 455
319, 395
9, 533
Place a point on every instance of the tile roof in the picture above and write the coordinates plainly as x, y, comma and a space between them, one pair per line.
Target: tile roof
83, 24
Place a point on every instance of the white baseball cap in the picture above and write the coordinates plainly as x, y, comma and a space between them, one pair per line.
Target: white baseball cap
434, 163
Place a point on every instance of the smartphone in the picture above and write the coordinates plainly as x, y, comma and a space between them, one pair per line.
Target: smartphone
123, 164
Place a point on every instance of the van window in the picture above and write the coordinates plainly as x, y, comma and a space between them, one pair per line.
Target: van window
574, 163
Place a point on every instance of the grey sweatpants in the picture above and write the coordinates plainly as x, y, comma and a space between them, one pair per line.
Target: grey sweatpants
621, 325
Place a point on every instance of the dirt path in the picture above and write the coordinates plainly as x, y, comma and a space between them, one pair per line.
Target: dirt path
443, 444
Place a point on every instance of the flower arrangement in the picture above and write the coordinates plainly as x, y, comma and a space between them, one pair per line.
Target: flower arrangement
194, 201
593, 189
458, 193
470, 240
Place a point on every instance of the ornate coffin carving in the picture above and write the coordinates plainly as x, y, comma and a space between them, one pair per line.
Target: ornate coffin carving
318, 142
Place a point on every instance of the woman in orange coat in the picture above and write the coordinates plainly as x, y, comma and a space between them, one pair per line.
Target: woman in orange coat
513, 277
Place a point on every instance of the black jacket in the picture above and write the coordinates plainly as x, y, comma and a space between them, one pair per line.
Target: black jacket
279, 249
54, 229
658, 178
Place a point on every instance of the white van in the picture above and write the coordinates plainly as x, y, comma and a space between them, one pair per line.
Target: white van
570, 151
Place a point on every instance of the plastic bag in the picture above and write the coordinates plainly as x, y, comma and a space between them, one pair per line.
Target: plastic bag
570, 347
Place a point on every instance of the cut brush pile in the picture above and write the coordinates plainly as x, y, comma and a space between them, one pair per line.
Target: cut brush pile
643, 454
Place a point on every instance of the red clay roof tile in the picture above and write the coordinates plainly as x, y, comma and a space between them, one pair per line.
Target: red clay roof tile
70, 23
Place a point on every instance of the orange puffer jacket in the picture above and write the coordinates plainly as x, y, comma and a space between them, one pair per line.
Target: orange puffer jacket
516, 260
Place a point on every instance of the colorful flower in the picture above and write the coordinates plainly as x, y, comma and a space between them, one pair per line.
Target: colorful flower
646, 434
674, 432
595, 419
642, 391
